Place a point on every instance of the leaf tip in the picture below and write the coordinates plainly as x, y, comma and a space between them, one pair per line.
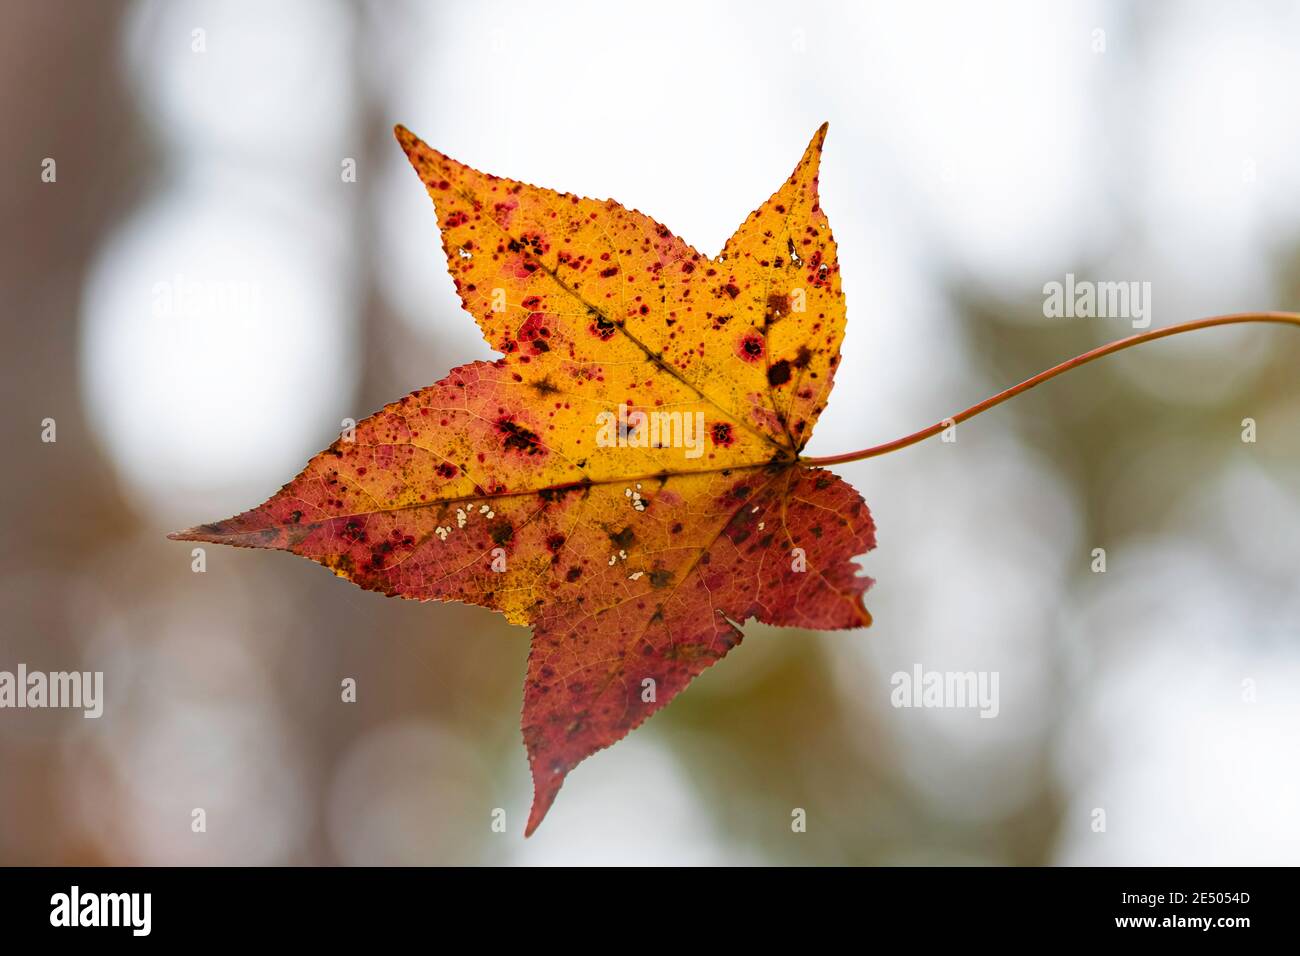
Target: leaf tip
863, 613
546, 784
810, 162
414, 147
433, 166
205, 532
543, 797
409, 142
812, 155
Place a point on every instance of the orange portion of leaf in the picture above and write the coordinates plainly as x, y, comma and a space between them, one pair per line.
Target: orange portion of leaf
626, 478
585, 287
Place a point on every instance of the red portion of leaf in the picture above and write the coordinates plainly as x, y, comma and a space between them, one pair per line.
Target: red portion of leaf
782, 555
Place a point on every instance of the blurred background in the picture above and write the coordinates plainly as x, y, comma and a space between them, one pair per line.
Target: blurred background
233, 256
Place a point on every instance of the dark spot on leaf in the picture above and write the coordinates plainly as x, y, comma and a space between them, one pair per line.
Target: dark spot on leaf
750, 347
602, 328
518, 438
778, 305
501, 531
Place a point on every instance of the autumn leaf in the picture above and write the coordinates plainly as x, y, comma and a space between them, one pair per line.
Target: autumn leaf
626, 479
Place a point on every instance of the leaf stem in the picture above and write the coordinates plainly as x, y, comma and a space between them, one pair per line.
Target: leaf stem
1288, 318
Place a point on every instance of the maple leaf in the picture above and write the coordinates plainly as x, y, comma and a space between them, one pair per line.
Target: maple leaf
626, 478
